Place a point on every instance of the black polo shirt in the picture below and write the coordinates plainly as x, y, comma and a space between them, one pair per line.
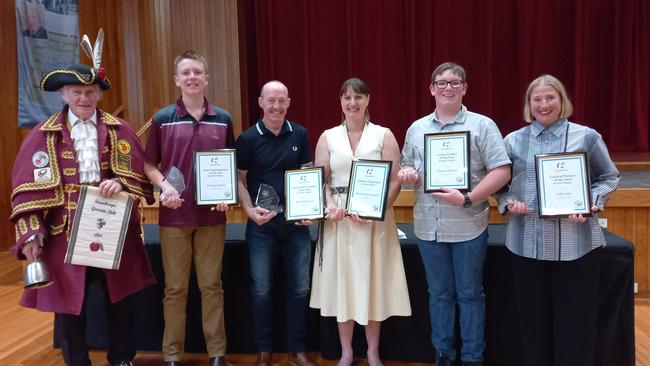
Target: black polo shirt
266, 156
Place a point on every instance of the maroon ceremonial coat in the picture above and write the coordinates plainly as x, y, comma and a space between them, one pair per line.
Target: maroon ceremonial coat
45, 193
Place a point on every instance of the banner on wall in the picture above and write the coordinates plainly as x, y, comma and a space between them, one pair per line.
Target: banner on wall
47, 33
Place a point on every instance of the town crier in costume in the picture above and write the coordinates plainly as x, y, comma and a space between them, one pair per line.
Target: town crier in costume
80, 145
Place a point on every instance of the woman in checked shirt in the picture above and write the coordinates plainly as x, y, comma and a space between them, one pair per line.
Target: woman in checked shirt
555, 260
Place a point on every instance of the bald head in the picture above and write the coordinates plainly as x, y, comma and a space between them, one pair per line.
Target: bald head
274, 101
276, 86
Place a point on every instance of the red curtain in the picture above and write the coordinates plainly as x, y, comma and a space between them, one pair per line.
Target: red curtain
600, 49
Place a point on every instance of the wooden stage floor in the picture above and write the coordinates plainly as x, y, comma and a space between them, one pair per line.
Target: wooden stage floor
26, 335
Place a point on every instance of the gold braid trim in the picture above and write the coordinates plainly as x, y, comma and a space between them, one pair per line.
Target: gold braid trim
104, 165
33, 222
54, 164
115, 166
110, 120
137, 190
22, 226
84, 79
50, 126
67, 155
70, 189
69, 172
57, 200
58, 229
17, 233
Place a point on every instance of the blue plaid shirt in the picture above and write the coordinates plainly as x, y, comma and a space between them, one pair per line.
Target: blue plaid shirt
555, 238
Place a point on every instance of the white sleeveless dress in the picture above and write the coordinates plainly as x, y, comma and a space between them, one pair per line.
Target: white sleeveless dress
362, 273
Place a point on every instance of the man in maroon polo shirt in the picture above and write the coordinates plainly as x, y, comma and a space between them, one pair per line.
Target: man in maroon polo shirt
188, 232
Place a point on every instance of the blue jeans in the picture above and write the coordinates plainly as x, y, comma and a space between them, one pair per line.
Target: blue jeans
455, 276
267, 243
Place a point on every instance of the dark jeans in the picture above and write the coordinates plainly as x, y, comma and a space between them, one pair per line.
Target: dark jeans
558, 308
269, 244
121, 345
455, 277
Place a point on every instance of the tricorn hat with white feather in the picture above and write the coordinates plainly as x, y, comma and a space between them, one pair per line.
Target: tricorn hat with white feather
80, 74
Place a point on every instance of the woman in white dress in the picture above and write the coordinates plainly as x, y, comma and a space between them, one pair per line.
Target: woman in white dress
358, 271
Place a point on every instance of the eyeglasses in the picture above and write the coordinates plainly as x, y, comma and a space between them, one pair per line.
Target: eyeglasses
455, 84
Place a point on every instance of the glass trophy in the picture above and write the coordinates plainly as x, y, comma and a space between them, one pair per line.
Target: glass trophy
411, 158
176, 179
518, 189
268, 199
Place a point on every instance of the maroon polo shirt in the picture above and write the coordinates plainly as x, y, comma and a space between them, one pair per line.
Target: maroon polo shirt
174, 137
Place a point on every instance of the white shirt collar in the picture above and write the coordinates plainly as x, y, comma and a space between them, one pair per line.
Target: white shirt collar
73, 119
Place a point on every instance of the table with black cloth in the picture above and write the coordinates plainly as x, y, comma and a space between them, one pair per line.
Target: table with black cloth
402, 338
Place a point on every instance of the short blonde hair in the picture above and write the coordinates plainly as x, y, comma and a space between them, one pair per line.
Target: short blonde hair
566, 107
190, 55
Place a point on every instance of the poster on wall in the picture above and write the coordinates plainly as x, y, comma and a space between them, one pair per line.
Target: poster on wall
47, 33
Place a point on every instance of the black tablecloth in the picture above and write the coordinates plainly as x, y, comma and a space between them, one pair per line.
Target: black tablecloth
402, 338
408, 338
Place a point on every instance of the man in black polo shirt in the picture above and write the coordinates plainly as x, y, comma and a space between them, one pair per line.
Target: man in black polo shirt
264, 152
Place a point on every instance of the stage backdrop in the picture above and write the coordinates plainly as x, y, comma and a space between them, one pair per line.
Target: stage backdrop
47, 33
600, 49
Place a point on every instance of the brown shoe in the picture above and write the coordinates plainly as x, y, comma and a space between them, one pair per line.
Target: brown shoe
218, 361
301, 359
264, 359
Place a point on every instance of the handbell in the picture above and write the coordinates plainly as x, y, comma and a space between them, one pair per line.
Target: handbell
36, 275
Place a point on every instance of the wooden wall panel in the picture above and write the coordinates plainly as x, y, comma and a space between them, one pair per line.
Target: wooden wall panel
11, 135
107, 15
141, 40
158, 30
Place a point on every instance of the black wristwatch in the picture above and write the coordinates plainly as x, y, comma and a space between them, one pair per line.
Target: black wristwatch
468, 202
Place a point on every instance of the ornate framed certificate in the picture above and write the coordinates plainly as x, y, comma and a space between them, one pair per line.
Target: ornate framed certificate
563, 186
99, 229
304, 194
446, 161
368, 188
215, 176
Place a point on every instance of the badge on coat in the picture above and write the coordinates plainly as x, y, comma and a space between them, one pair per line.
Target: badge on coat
40, 159
43, 174
124, 162
123, 146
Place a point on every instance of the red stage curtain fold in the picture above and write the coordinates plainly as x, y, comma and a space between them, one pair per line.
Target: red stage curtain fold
600, 49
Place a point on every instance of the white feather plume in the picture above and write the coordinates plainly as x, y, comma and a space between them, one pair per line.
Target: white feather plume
97, 50
94, 53
85, 45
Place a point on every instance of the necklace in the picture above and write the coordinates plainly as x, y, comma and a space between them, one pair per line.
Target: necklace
354, 137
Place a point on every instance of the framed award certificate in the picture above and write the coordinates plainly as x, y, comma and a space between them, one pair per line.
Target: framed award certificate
215, 176
304, 194
368, 188
563, 186
99, 229
446, 161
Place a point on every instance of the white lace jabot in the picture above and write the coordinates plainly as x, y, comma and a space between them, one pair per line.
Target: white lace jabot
84, 136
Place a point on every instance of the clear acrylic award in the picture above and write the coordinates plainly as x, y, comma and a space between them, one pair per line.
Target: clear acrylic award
268, 199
